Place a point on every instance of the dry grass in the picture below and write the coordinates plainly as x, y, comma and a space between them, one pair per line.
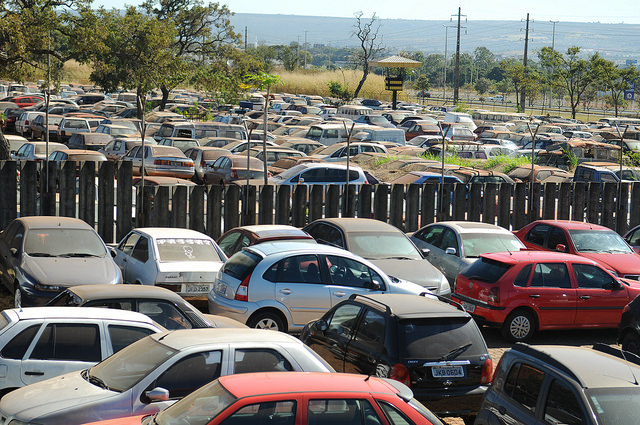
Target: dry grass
76, 73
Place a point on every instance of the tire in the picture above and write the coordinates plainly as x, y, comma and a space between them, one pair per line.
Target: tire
519, 326
266, 320
631, 342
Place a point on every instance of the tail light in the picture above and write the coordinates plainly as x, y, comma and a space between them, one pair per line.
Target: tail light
234, 174
494, 295
161, 162
242, 293
400, 373
26, 123
487, 372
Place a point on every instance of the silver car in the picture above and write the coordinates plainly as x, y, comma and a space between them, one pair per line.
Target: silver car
384, 245
284, 285
453, 245
38, 343
182, 260
155, 372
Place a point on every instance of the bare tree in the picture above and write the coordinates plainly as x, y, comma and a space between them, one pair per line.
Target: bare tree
370, 47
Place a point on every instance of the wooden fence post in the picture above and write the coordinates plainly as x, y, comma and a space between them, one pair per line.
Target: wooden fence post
178, 206
549, 201
381, 203
161, 215
87, 192
475, 202
593, 202
489, 203
519, 205
214, 211
196, 209
48, 182
29, 189
564, 201
609, 194
577, 206
68, 190
265, 210
428, 201
124, 194
622, 216
396, 207
364, 201
299, 206
332, 208
106, 176
316, 199
459, 201
349, 200
8, 192
413, 208
283, 204
231, 207
504, 205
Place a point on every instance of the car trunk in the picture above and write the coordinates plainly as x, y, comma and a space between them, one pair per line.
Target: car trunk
477, 280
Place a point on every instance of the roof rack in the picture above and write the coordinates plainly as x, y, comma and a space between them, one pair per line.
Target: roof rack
622, 354
528, 349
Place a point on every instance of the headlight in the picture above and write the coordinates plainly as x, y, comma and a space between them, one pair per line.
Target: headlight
47, 288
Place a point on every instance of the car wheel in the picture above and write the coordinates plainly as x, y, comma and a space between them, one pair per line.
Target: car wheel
631, 342
519, 326
266, 320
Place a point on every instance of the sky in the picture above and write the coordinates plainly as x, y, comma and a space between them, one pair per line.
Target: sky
613, 11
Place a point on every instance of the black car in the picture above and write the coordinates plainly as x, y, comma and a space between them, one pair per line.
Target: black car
629, 327
563, 385
433, 347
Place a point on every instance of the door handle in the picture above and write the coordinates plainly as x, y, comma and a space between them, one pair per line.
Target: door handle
339, 294
285, 291
584, 297
33, 373
534, 296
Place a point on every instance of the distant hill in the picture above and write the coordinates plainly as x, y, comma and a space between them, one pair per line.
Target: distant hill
617, 42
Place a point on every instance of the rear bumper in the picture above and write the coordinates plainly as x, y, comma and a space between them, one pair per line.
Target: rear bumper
237, 310
451, 402
483, 313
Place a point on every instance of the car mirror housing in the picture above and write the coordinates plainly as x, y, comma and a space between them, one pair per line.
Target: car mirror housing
425, 252
561, 248
113, 252
14, 251
157, 394
321, 325
450, 251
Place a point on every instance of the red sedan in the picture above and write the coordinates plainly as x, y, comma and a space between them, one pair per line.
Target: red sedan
588, 240
288, 398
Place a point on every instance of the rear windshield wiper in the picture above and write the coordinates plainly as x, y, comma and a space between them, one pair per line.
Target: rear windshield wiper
456, 352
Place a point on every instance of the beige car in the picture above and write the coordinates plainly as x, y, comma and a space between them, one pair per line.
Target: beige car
160, 161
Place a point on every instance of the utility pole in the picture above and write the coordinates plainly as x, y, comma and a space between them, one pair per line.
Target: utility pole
305, 49
456, 75
245, 39
524, 63
553, 47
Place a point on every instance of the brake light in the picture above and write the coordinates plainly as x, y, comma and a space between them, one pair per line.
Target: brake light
400, 373
242, 293
494, 295
161, 162
234, 174
487, 372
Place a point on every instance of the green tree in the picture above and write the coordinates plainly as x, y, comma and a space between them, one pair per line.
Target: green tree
482, 85
422, 84
367, 34
484, 61
614, 79
433, 67
514, 71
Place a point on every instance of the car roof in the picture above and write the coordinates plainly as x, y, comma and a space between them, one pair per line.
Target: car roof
104, 291
247, 384
407, 306
350, 224
514, 257
170, 232
268, 248
572, 225
274, 230
187, 338
46, 222
30, 313
474, 227
611, 371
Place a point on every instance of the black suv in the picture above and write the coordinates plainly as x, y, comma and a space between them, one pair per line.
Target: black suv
629, 327
563, 385
434, 348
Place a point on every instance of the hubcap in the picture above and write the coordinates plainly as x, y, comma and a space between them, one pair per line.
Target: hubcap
520, 327
267, 324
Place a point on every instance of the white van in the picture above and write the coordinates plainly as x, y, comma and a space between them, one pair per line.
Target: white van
381, 134
353, 112
461, 118
328, 134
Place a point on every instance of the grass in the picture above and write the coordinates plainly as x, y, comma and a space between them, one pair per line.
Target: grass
450, 159
505, 163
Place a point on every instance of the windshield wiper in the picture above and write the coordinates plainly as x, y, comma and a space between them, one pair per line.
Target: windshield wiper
39, 254
588, 250
77, 255
456, 352
397, 257
96, 380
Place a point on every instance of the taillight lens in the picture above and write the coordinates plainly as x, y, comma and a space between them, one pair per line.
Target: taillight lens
242, 293
487, 372
234, 174
494, 295
161, 162
400, 373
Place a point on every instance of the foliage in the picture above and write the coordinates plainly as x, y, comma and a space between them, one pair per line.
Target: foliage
572, 158
336, 90
461, 107
506, 163
381, 160
482, 85
422, 83
450, 158
367, 34
614, 79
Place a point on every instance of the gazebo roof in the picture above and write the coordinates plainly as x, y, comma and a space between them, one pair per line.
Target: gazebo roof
396, 62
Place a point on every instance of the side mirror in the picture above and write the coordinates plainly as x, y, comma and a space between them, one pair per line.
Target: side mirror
301, 180
113, 252
450, 251
561, 248
615, 286
157, 394
321, 325
425, 252
375, 285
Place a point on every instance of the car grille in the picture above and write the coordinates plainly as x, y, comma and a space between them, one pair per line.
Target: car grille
632, 276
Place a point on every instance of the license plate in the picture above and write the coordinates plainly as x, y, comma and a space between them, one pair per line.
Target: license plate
447, 371
468, 306
175, 163
196, 289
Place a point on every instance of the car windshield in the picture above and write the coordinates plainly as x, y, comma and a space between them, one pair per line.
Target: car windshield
176, 249
615, 406
604, 241
485, 270
128, 366
377, 246
64, 243
444, 338
476, 244
199, 407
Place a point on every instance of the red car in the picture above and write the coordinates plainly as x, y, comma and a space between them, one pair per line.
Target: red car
526, 291
288, 398
235, 239
26, 100
588, 240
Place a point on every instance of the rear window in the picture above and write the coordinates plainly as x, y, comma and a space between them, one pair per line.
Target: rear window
486, 270
437, 338
241, 264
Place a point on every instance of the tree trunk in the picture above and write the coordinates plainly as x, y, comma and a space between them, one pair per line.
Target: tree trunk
165, 97
365, 74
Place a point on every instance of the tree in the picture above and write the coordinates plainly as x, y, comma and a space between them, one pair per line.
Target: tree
422, 84
570, 72
367, 34
514, 71
614, 79
433, 67
484, 61
482, 85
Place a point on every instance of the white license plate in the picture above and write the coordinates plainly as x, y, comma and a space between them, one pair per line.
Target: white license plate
468, 306
196, 289
447, 371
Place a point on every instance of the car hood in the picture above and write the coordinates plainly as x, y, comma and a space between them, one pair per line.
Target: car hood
66, 393
622, 264
417, 271
72, 271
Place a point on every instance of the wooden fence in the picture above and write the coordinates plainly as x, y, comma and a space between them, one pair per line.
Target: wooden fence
106, 199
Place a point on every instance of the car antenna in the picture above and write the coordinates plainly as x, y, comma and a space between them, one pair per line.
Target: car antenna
367, 378
629, 366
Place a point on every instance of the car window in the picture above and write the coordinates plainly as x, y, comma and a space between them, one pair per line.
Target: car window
165, 313
449, 240
337, 411
556, 237
227, 242
537, 234
141, 250
486, 270
68, 341
121, 335
189, 373
634, 238
325, 233
178, 249
268, 412
523, 276
590, 276
17, 238
343, 320
438, 336
561, 406
260, 360
17, 347
393, 414
115, 304
316, 175
551, 275
372, 329
431, 235
523, 384
295, 269
347, 272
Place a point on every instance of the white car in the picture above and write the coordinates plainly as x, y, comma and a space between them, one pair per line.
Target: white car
38, 343
182, 260
319, 173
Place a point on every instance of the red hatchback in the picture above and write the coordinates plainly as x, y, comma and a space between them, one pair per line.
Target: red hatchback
588, 240
288, 398
525, 291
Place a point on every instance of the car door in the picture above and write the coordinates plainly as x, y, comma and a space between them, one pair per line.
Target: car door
430, 237
449, 263
600, 297
301, 286
61, 347
552, 294
348, 277
331, 343
367, 346
10, 252
521, 390
138, 267
123, 252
